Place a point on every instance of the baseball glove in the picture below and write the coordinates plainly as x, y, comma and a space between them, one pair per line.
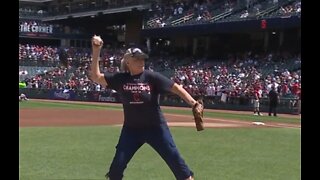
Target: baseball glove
197, 111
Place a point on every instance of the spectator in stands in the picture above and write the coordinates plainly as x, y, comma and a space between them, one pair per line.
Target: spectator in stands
273, 101
245, 14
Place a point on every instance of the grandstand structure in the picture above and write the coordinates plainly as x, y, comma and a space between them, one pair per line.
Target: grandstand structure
200, 25
257, 38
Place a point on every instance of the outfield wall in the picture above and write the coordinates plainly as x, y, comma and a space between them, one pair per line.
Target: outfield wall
287, 105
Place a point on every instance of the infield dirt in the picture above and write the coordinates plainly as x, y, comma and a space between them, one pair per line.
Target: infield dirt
29, 117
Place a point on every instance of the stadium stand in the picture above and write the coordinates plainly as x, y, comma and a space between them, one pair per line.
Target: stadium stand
219, 63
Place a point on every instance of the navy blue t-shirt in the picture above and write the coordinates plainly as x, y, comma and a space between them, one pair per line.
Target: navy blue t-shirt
140, 96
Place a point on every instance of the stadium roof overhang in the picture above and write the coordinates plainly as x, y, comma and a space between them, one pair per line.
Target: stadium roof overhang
36, 1
98, 12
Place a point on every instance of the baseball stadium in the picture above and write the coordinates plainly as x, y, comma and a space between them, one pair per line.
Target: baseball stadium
115, 89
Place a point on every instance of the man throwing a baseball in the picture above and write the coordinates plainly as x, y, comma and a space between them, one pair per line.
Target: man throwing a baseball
144, 122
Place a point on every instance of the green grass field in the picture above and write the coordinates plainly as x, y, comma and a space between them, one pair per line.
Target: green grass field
214, 154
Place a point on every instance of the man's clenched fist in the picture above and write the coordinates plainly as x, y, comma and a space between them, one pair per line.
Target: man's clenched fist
96, 40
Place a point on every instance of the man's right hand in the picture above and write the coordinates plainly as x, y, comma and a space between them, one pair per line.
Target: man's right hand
96, 41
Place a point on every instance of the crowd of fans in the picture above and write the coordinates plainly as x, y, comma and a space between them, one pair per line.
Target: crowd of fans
236, 76
32, 12
38, 53
73, 72
241, 77
195, 12
163, 14
290, 9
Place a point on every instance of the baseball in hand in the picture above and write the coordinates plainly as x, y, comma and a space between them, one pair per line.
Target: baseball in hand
97, 40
